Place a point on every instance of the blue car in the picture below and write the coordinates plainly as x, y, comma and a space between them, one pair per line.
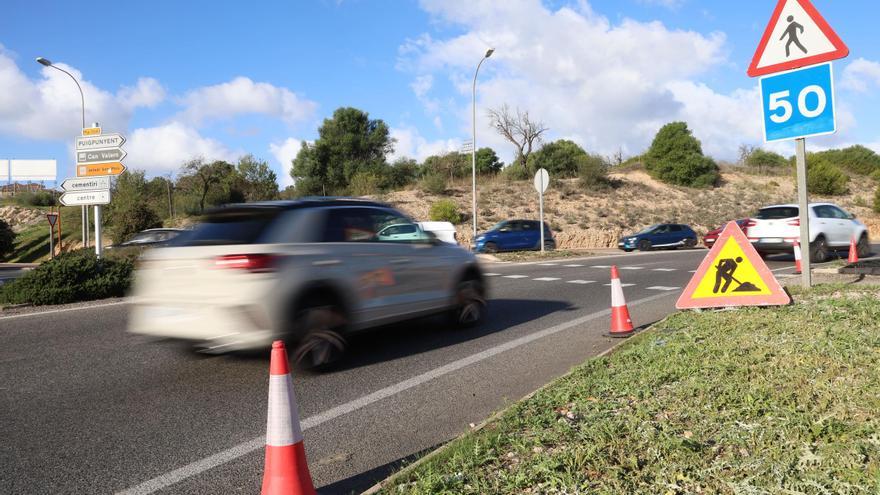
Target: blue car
514, 235
664, 235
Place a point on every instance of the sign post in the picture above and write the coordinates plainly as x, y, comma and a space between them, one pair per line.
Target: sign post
542, 179
800, 102
98, 157
52, 218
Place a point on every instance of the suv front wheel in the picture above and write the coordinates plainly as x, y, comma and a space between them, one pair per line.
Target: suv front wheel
469, 307
322, 343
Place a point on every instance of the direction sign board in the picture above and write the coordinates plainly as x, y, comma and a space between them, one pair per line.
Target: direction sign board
542, 179
86, 143
798, 104
92, 131
85, 198
100, 156
797, 36
100, 183
91, 170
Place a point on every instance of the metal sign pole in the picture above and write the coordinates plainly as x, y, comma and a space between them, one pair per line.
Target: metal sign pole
803, 204
51, 241
98, 247
82, 215
86, 209
541, 196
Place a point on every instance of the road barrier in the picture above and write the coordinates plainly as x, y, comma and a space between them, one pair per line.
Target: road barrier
286, 471
621, 323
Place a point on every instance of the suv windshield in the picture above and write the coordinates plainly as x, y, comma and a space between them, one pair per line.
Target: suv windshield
777, 213
232, 226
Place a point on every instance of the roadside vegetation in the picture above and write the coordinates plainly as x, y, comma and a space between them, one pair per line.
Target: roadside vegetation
753, 401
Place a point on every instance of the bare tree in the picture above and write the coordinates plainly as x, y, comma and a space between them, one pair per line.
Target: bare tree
523, 132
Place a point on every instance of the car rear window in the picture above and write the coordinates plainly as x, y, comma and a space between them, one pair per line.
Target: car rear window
777, 213
232, 226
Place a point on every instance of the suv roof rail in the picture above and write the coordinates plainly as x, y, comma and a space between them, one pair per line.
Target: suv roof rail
299, 203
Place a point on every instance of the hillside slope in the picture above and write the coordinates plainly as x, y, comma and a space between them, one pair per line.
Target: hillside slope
597, 219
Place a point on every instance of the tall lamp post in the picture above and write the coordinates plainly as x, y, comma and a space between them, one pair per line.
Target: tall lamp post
84, 211
474, 144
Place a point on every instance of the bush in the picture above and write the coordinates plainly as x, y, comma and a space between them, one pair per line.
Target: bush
562, 159
71, 277
877, 200
592, 172
676, 157
364, 184
434, 183
825, 178
445, 210
40, 198
7, 239
516, 171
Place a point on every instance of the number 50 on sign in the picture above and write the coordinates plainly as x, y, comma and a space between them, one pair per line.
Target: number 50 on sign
798, 104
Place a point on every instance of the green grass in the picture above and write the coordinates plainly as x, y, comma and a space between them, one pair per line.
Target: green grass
32, 244
754, 401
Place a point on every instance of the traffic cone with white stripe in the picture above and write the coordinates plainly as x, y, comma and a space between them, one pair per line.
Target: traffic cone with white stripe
621, 323
797, 257
853, 251
286, 471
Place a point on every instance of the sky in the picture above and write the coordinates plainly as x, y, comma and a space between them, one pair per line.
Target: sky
219, 79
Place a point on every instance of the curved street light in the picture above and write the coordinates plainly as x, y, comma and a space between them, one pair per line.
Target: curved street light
489, 53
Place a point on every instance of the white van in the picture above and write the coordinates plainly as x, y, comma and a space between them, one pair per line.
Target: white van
444, 231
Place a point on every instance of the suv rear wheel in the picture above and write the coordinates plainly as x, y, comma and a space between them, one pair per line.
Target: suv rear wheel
322, 343
864, 246
644, 245
470, 304
819, 250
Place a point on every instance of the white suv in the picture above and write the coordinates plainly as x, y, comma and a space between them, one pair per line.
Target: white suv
775, 228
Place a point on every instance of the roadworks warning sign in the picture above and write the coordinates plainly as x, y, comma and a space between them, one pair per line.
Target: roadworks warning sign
732, 274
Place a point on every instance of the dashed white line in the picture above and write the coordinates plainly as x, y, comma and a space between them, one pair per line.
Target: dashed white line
573, 266
492, 274
632, 268
581, 282
663, 288
516, 276
548, 264
622, 285
601, 266
545, 279
664, 269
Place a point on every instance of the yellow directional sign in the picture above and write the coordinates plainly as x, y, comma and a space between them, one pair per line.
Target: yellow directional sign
93, 169
92, 131
732, 274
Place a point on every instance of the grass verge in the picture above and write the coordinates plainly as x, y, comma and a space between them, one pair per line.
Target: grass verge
754, 401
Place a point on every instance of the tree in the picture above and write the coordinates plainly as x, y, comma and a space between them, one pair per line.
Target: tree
7, 239
212, 183
260, 182
561, 158
592, 171
130, 211
401, 173
824, 177
676, 157
452, 165
348, 143
523, 132
488, 162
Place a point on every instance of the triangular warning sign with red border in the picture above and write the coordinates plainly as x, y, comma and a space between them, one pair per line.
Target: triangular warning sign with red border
732, 274
797, 36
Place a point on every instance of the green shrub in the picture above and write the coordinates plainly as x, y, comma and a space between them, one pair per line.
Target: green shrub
676, 157
39, 198
364, 184
825, 178
7, 239
71, 277
445, 210
516, 171
592, 172
877, 200
434, 183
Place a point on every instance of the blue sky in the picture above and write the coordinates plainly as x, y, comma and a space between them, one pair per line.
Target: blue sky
219, 79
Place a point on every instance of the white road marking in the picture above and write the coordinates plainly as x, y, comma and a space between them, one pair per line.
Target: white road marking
220, 458
516, 276
64, 310
581, 282
692, 271
622, 285
548, 264
664, 269
601, 266
573, 266
663, 288
632, 268
492, 274
545, 279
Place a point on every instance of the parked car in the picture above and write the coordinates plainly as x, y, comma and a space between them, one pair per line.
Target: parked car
774, 229
514, 235
150, 238
712, 236
310, 272
444, 231
664, 235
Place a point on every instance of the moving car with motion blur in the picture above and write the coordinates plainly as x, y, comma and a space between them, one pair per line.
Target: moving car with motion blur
150, 238
712, 236
514, 235
310, 271
774, 229
663, 235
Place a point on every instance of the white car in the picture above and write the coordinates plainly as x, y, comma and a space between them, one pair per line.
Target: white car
775, 229
444, 231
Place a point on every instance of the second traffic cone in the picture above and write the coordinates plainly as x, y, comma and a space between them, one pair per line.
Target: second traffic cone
797, 257
621, 323
286, 471
853, 251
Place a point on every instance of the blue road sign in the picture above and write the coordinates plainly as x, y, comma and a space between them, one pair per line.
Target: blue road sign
799, 103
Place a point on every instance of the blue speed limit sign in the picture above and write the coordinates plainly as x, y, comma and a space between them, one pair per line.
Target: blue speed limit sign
798, 104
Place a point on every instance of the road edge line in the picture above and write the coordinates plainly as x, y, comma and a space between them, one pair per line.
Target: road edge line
64, 310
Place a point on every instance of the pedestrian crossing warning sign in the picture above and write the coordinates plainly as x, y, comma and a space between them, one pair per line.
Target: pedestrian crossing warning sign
732, 274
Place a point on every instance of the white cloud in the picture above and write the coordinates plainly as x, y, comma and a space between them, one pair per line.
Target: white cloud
284, 154
50, 107
168, 147
604, 84
243, 96
860, 75
411, 144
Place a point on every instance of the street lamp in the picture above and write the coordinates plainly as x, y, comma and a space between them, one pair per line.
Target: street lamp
474, 143
83, 210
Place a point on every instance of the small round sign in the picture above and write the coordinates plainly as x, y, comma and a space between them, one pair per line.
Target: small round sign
542, 180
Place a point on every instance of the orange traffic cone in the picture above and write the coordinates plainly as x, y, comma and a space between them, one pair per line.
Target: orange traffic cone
797, 257
621, 323
853, 251
286, 471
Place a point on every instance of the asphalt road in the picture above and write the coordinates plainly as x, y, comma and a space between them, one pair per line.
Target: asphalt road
87, 408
